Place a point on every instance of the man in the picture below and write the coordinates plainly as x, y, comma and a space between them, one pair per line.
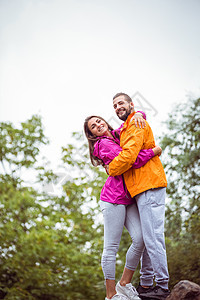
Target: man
148, 185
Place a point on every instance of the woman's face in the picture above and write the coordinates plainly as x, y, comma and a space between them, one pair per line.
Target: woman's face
98, 127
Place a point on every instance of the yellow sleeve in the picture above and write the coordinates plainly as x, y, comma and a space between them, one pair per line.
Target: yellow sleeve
131, 142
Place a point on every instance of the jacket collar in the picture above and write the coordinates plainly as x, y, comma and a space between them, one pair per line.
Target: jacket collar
126, 123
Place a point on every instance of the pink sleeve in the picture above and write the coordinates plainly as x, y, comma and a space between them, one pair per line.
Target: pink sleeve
143, 113
143, 157
106, 150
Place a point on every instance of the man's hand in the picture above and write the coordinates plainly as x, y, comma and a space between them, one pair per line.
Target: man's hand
107, 168
139, 120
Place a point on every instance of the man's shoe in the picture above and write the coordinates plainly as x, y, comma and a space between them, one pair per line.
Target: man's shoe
128, 290
141, 290
156, 293
118, 297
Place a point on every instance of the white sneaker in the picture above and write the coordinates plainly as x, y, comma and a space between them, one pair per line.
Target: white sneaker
118, 297
128, 290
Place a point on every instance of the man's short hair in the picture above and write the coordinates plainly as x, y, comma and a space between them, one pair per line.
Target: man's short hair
128, 99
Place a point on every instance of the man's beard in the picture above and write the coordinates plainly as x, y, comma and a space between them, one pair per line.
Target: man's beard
127, 112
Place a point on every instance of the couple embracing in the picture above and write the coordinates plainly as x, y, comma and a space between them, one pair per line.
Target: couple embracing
132, 196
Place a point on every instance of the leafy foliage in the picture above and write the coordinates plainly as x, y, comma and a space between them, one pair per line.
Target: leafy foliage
20, 147
182, 165
50, 246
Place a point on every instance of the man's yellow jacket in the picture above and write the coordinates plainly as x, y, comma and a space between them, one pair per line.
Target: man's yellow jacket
132, 140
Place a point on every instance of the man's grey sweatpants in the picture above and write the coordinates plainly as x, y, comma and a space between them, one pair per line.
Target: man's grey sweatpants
151, 206
117, 216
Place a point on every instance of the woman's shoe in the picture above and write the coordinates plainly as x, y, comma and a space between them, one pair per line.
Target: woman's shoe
128, 290
118, 297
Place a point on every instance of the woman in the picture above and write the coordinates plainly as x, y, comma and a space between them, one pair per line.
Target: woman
117, 206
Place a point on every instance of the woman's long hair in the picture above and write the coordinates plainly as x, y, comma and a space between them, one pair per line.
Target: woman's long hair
93, 139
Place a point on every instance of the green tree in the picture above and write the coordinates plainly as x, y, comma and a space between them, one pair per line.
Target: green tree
182, 166
50, 246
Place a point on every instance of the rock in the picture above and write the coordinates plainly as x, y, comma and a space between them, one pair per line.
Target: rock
185, 290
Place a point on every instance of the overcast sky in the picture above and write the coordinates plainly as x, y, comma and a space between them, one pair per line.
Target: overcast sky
66, 59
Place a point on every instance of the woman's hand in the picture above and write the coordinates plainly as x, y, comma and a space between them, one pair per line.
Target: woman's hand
139, 120
157, 150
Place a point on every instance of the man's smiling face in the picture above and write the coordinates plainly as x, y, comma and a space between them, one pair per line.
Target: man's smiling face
122, 107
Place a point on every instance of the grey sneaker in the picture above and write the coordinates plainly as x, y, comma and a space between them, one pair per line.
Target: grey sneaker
128, 290
118, 297
142, 290
156, 293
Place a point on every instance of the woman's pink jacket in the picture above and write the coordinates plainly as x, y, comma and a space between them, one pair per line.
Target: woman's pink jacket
114, 189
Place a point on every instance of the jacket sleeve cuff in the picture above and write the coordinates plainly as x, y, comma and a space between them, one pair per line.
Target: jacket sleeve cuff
143, 114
